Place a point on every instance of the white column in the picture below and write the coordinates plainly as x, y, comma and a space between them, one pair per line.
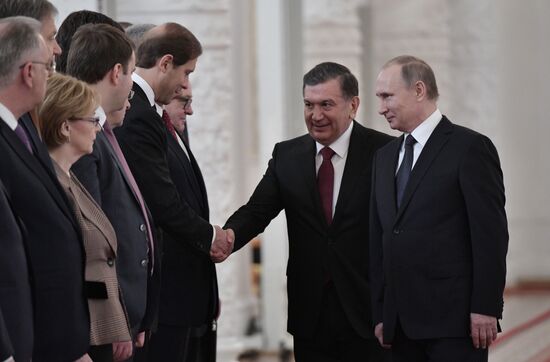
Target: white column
332, 32
276, 58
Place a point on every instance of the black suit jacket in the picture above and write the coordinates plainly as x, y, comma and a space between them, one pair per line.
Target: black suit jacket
316, 249
103, 176
16, 312
143, 139
61, 322
186, 271
442, 254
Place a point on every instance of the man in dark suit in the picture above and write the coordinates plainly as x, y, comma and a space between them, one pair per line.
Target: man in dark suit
166, 57
54, 245
105, 173
45, 12
322, 181
186, 272
438, 227
16, 326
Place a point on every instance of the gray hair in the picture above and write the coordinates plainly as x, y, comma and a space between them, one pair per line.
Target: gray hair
36, 9
137, 31
18, 36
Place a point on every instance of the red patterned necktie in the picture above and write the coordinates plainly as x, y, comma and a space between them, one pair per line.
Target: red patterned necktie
325, 182
169, 125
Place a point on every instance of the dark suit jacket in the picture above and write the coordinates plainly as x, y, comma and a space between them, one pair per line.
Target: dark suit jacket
56, 256
187, 272
143, 139
16, 312
441, 256
315, 248
103, 176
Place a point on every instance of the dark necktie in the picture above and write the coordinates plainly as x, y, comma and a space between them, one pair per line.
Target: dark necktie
116, 147
325, 182
20, 132
169, 125
404, 171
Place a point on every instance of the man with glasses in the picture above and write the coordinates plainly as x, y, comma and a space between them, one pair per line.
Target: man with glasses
45, 12
189, 274
53, 241
105, 173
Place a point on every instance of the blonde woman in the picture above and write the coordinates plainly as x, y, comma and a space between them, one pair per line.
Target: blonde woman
69, 128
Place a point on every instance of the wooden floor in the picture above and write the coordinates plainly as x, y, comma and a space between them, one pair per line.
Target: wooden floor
525, 337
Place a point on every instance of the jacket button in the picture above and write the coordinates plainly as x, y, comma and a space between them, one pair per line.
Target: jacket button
110, 262
142, 227
144, 263
396, 231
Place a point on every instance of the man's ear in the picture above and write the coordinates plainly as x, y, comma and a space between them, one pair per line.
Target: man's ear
115, 73
354, 107
165, 62
26, 74
420, 90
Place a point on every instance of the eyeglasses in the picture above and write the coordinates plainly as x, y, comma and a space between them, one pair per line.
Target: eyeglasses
131, 95
50, 66
187, 102
94, 120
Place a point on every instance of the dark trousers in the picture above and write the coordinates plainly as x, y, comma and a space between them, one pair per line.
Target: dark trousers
182, 344
335, 339
101, 353
405, 349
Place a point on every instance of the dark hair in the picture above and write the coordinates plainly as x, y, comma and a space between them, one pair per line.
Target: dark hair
36, 9
414, 69
324, 72
18, 36
69, 27
95, 50
169, 38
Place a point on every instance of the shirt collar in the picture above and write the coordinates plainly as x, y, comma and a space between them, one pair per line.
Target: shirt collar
8, 117
149, 93
425, 129
100, 113
341, 145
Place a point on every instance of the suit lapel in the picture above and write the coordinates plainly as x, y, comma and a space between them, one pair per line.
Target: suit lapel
435, 143
198, 177
355, 164
41, 173
305, 162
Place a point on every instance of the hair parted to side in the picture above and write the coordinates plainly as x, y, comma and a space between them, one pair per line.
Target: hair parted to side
66, 97
70, 25
414, 69
95, 50
169, 38
19, 36
324, 72
36, 9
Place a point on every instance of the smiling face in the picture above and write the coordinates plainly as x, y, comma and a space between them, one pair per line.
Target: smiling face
326, 112
398, 103
179, 108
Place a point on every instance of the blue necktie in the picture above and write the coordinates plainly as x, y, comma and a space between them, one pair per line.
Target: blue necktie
404, 171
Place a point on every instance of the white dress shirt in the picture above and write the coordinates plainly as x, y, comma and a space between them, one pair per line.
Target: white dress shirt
340, 147
421, 134
149, 92
8, 117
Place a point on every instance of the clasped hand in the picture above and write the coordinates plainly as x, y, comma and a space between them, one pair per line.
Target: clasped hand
223, 244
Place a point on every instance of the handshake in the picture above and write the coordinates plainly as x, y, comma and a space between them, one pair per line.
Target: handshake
223, 244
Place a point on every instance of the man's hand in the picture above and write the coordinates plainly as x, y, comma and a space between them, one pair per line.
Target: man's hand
483, 329
223, 244
140, 340
122, 350
84, 358
379, 333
